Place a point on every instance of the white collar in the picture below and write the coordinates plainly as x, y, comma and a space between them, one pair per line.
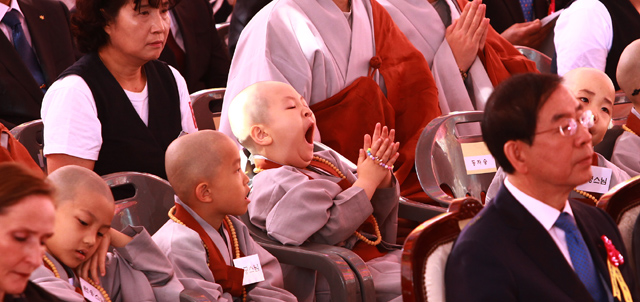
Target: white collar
544, 213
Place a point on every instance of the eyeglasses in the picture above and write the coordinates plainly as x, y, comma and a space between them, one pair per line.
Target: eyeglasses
569, 126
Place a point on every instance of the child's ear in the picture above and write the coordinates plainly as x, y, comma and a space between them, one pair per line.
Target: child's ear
260, 136
203, 192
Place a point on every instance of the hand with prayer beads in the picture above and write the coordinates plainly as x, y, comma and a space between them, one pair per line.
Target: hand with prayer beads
467, 34
376, 158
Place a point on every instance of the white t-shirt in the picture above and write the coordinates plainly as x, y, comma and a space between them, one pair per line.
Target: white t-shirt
70, 117
583, 36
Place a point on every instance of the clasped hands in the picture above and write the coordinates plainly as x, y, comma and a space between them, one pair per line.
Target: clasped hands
383, 154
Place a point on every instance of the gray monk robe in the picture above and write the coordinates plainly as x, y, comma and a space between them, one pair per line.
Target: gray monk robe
186, 251
295, 205
137, 272
626, 153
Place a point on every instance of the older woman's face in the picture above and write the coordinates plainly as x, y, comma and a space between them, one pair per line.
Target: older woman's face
139, 35
24, 227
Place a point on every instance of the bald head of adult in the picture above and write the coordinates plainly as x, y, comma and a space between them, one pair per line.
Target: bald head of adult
72, 181
194, 158
628, 72
251, 108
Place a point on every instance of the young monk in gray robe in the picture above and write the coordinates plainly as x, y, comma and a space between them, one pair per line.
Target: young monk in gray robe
625, 152
202, 237
136, 271
595, 90
301, 195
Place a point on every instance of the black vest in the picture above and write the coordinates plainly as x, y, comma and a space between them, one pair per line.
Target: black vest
626, 29
127, 143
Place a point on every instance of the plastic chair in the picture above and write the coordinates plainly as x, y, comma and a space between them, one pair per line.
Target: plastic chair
440, 162
149, 205
622, 202
427, 248
543, 62
223, 32
348, 276
207, 105
30, 135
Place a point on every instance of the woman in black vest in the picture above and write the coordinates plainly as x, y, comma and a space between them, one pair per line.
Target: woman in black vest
26, 220
117, 108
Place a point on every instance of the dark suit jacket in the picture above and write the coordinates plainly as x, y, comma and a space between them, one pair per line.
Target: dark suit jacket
505, 254
206, 59
504, 13
20, 96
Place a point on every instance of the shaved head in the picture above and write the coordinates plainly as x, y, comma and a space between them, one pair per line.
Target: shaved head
193, 158
628, 72
72, 181
250, 107
582, 76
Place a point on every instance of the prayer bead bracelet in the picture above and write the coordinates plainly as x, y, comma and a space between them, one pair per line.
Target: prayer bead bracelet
378, 161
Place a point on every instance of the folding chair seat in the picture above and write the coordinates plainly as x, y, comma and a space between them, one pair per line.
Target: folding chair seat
427, 248
440, 162
622, 202
30, 135
207, 105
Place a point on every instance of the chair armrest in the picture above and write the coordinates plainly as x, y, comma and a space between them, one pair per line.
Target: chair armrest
416, 211
348, 276
189, 295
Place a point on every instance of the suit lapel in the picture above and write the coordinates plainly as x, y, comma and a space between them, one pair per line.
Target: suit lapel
39, 29
536, 242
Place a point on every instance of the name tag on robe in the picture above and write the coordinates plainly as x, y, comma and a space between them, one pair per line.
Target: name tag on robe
90, 292
477, 158
599, 182
252, 269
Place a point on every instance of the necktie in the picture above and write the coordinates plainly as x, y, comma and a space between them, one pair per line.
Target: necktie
527, 9
580, 257
22, 46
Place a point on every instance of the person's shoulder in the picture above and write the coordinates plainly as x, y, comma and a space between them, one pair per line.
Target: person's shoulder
52, 7
173, 234
485, 227
586, 6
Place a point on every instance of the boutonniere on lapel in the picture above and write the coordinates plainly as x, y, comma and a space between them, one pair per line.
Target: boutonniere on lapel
614, 260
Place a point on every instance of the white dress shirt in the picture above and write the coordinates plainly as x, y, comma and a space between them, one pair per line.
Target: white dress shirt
546, 215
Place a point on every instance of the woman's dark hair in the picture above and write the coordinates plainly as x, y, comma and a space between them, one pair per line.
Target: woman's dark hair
17, 182
512, 111
91, 17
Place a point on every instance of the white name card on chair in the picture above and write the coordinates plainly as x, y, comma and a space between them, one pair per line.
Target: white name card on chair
599, 182
477, 158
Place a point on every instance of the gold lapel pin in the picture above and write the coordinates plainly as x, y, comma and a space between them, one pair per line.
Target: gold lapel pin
41, 17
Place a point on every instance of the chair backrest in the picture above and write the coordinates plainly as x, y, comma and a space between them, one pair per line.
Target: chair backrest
440, 163
149, 205
427, 248
207, 105
543, 62
223, 32
30, 135
622, 202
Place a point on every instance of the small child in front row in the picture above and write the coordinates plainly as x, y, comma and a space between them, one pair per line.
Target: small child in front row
626, 153
301, 195
136, 271
202, 238
595, 91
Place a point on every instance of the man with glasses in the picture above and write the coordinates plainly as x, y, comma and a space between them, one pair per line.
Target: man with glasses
532, 243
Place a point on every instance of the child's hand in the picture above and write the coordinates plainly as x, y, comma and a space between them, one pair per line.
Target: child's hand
89, 268
372, 172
